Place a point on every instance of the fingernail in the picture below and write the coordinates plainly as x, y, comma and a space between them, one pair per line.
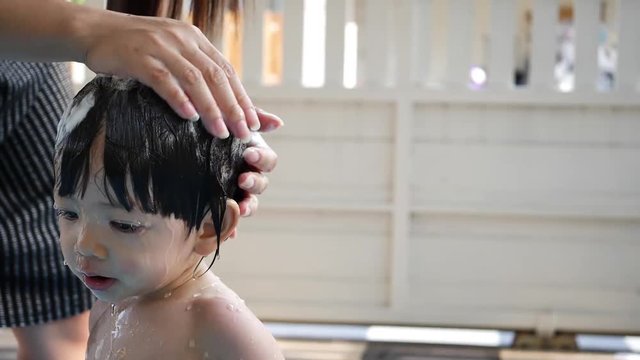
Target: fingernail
256, 120
271, 126
248, 183
224, 133
246, 140
251, 155
222, 129
189, 112
270, 114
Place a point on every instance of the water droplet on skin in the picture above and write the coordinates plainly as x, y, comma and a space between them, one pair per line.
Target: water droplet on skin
188, 307
196, 295
192, 343
206, 355
230, 307
166, 295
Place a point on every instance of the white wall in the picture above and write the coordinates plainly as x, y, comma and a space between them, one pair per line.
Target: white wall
399, 203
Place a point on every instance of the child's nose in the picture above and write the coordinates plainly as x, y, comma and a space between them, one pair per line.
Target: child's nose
89, 245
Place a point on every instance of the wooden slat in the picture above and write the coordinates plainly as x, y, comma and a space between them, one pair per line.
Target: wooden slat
545, 16
252, 43
404, 38
421, 40
375, 44
502, 41
336, 15
587, 30
292, 48
459, 42
629, 53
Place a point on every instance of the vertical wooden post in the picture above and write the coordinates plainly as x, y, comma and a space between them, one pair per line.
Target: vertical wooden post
334, 64
502, 42
252, 43
587, 25
543, 51
292, 47
461, 17
629, 49
374, 48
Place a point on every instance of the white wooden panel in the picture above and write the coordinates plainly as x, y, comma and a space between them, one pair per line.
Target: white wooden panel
336, 15
355, 121
373, 48
502, 42
540, 160
528, 178
587, 24
325, 157
252, 43
629, 49
461, 17
422, 33
404, 37
540, 125
318, 257
292, 47
331, 172
545, 22
526, 263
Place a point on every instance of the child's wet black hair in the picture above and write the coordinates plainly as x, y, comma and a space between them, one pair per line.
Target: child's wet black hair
153, 160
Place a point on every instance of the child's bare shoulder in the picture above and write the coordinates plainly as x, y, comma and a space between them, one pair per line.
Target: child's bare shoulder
228, 328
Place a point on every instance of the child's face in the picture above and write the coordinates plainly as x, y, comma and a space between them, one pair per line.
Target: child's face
119, 254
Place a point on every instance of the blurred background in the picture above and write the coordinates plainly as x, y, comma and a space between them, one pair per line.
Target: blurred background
457, 179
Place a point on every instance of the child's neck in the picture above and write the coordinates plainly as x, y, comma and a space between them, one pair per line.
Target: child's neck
183, 284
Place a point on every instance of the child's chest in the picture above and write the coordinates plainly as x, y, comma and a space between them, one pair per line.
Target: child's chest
131, 334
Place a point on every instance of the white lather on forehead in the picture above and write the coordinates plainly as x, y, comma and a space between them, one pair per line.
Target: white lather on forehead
74, 116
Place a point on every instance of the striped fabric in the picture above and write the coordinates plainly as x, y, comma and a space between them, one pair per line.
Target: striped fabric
35, 286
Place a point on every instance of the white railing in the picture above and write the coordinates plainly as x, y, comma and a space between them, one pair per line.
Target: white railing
435, 43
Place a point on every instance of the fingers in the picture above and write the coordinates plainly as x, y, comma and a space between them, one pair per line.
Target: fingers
253, 182
156, 75
217, 82
248, 205
239, 94
263, 159
268, 121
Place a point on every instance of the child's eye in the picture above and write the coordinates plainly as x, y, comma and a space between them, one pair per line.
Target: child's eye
66, 214
126, 227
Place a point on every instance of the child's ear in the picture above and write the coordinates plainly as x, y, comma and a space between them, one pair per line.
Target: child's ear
206, 242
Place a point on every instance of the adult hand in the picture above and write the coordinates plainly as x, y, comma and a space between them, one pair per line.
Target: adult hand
263, 160
181, 65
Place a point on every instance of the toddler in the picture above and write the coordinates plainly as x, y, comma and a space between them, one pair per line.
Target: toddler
142, 197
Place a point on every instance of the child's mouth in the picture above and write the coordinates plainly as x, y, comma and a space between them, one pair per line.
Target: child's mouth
99, 283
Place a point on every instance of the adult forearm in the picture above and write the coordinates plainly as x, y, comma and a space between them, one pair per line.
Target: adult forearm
44, 30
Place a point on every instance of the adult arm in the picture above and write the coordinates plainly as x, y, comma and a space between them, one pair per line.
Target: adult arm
172, 57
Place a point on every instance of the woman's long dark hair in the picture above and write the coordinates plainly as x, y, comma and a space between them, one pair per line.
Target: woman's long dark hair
206, 14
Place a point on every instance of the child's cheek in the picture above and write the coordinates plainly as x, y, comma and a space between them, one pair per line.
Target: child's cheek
130, 267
